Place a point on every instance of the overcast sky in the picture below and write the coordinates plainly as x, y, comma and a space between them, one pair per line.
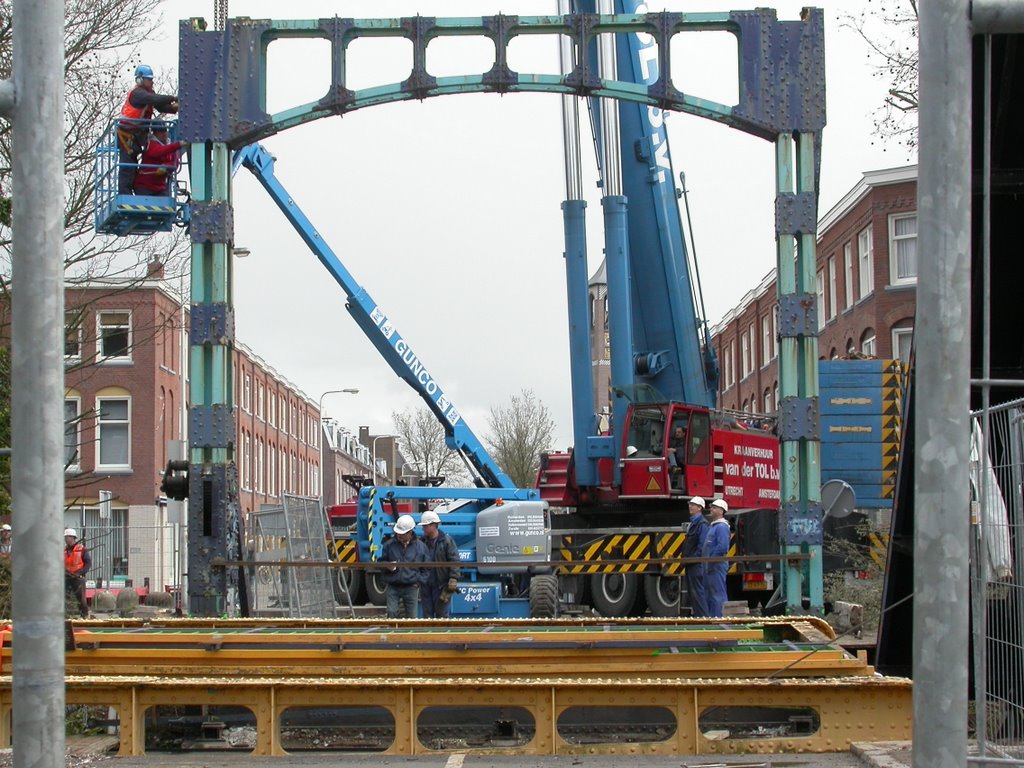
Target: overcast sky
447, 211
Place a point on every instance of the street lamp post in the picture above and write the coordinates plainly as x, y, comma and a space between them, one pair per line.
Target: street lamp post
320, 413
373, 454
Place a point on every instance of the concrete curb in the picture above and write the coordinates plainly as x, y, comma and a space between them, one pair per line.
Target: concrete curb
883, 754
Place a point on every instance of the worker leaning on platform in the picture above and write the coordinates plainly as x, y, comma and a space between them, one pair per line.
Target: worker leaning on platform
402, 577
132, 136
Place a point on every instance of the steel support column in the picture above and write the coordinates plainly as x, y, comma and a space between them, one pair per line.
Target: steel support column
800, 523
942, 340
37, 374
213, 525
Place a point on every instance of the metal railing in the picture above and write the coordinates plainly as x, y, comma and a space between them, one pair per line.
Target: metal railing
997, 582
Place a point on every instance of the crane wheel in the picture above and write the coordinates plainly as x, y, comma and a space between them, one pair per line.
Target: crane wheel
613, 594
544, 597
663, 594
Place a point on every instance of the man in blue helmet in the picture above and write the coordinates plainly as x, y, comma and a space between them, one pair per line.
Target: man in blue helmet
132, 132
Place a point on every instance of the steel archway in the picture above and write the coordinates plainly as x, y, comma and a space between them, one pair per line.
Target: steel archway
780, 74
781, 82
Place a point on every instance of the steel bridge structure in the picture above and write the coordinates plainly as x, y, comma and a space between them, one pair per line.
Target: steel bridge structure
781, 87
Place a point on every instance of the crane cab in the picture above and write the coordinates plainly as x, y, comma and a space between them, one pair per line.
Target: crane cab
122, 213
667, 452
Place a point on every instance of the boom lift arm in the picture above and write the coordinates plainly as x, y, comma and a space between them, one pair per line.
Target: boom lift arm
378, 328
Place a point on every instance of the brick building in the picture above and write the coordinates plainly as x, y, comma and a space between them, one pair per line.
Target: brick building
127, 396
866, 292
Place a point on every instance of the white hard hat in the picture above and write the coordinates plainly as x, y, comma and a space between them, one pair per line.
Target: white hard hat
71, 532
721, 503
699, 501
404, 524
630, 450
6, 527
428, 517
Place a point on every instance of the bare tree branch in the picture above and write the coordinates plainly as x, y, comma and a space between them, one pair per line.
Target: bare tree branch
422, 440
890, 31
520, 432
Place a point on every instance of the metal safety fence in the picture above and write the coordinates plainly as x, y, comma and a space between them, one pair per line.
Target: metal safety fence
291, 576
146, 558
997, 583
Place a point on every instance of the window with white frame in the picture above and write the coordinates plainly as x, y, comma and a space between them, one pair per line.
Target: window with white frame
775, 334
767, 401
271, 409
848, 269
114, 334
114, 432
294, 420
247, 393
72, 433
259, 399
745, 356
727, 353
903, 249
72, 337
766, 340
866, 262
901, 340
775, 395
751, 334
260, 447
271, 468
246, 461
868, 343
831, 287
820, 293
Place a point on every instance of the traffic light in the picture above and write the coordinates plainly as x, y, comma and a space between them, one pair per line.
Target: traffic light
175, 482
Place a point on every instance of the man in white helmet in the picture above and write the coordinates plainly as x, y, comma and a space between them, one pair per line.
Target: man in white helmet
6, 540
440, 583
717, 545
403, 576
693, 545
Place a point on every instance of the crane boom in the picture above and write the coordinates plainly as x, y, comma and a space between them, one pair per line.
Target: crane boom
378, 327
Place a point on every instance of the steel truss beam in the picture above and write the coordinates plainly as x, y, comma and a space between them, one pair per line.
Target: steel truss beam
848, 708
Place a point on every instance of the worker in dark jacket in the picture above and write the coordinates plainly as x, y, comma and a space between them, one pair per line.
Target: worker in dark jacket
132, 131
77, 562
693, 546
717, 545
402, 577
441, 583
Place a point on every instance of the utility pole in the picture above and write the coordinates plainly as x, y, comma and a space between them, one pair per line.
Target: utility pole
33, 100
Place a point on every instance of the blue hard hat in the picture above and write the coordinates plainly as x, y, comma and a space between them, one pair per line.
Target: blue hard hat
144, 70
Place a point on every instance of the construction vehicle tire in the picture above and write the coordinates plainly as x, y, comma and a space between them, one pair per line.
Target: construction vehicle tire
544, 597
613, 594
663, 594
375, 593
354, 580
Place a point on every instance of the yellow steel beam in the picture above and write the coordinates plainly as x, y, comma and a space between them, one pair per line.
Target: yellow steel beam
847, 709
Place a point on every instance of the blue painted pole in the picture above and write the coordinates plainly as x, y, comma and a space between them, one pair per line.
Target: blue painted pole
620, 313
583, 410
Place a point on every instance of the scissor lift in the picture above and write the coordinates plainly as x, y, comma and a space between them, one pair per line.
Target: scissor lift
131, 214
